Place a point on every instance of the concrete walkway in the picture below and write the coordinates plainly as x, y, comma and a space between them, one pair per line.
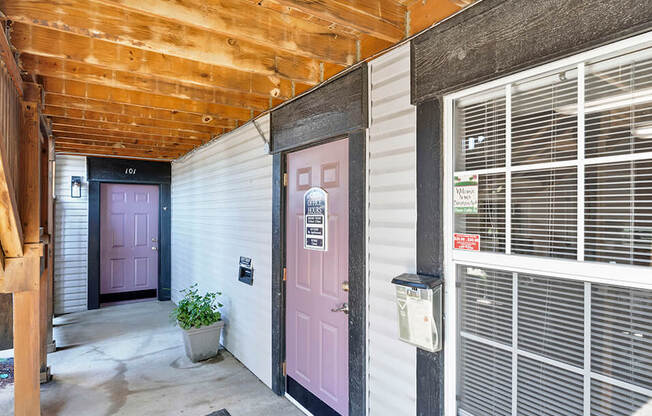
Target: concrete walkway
129, 360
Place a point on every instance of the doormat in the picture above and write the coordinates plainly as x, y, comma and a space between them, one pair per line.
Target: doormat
222, 412
6, 371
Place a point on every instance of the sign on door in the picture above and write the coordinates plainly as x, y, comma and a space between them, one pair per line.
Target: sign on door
315, 214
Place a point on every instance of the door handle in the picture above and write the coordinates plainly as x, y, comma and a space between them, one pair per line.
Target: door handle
154, 248
344, 308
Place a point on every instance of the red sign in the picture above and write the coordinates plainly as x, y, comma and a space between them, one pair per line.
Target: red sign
467, 241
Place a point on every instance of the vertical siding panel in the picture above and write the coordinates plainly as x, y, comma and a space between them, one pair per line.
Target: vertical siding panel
221, 210
71, 237
391, 232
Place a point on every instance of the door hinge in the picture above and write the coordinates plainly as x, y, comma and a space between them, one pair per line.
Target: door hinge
285, 371
285, 274
285, 179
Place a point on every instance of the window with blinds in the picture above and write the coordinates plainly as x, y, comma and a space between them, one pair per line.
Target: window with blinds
537, 157
562, 162
535, 362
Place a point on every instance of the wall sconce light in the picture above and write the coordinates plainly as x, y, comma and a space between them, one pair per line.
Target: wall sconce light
75, 186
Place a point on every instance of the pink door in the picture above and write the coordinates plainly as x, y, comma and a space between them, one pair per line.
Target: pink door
317, 337
128, 238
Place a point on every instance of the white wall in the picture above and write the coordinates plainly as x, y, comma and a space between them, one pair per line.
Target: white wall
221, 210
70, 237
391, 238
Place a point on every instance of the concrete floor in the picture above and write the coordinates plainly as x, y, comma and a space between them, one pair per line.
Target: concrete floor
129, 360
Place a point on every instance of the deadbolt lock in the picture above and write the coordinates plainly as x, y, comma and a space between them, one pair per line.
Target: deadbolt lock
345, 286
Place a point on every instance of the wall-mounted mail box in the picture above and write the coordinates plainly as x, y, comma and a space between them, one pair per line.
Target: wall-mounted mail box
419, 306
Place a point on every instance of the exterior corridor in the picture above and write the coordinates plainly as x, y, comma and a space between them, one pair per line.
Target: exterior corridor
129, 360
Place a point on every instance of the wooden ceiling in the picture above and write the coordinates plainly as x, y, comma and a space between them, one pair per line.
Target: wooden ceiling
155, 78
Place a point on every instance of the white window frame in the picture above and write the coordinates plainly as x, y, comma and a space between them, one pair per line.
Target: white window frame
627, 275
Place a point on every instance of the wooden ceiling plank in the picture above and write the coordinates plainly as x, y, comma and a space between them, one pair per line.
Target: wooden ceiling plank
84, 131
118, 144
93, 74
81, 103
129, 129
143, 99
389, 10
144, 33
82, 153
46, 42
424, 14
237, 18
109, 150
130, 120
344, 15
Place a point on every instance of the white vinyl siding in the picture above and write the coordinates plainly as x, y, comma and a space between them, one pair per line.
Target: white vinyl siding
221, 210
559, 319
391, 232
70, 237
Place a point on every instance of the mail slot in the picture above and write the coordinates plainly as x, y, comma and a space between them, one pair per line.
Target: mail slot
419, 306
246, 271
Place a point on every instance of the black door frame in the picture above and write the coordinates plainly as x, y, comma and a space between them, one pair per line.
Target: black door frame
110, 170
335, 111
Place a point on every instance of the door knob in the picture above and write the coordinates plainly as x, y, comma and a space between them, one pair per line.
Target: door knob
345, 286
153, 248
344, 308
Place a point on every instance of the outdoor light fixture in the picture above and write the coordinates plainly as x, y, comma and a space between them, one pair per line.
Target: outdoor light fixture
75, 186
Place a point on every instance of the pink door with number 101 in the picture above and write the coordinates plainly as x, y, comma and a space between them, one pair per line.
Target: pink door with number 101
317, 329
128, 238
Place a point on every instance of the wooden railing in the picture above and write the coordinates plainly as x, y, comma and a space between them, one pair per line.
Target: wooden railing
21, 223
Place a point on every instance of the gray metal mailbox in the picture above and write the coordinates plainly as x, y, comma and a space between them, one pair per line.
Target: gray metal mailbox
419, 306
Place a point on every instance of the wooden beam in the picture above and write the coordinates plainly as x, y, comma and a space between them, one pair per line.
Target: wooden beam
29, 191
140, 112
7, 56
93, 74
143, 99
232, 18
127, 130
27, 398
108, 150
118, 143
122, 120
16, 275
11, 231
82, 153
351, 15
135, 138
51, 246
159, 37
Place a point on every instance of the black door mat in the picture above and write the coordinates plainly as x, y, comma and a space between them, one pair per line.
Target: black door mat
222, 412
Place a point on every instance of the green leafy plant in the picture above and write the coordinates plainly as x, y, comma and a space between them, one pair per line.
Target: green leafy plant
195, 310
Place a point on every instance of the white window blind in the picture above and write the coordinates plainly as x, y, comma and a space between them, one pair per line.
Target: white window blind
564, 168
536, 166
540, 133
547, 337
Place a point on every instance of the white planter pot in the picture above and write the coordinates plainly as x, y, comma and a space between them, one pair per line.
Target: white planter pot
202, 343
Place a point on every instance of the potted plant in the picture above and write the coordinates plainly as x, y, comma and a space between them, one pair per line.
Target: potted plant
201, 323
